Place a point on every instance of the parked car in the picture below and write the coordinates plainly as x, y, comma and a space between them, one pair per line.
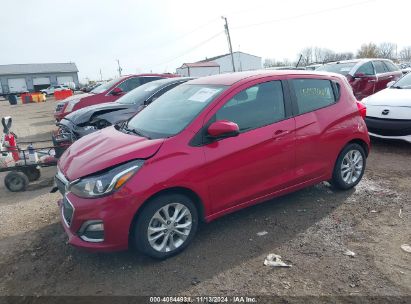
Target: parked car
108, 92
313, 67
93, 118
90, 87
207, 148
389, 111
366, 76
51, 89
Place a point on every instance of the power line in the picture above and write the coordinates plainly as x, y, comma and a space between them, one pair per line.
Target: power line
189, 51
302, 15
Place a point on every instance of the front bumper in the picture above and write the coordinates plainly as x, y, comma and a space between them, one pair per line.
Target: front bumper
406, 138
115, 212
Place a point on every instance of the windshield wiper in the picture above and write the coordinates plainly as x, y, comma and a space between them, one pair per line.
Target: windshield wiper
396, 87
136, 132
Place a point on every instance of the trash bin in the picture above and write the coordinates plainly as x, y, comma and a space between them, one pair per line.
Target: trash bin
12, 99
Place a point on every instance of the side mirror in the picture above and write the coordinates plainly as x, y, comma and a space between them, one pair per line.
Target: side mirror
140, 108
223, 129
390, 83
116, 91
359, 75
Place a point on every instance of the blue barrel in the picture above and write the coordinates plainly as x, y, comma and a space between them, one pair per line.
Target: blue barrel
12, 99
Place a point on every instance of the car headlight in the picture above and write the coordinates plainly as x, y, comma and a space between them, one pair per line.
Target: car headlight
106, 182
71, 104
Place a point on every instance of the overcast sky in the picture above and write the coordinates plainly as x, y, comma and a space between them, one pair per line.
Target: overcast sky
160, 35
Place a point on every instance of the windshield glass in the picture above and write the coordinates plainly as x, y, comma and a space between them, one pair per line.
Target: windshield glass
105, 86
141, 93
173, 111
404, 82
340, 68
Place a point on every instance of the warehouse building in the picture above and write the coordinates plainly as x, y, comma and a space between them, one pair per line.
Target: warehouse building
221, 64
19, 78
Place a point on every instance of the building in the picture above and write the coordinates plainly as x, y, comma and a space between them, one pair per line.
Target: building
199, 69
242, 62
18, 78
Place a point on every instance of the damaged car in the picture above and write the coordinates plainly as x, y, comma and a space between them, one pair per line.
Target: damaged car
93, 118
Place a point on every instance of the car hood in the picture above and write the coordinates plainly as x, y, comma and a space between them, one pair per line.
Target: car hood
75, 97
390, 97
83, 115
104, 149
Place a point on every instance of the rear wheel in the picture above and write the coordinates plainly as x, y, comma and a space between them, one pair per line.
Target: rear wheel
16, 181
165, 226
349, 167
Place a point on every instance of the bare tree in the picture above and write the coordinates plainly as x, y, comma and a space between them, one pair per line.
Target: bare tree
369, 50
307, 54
387, 50
405, 53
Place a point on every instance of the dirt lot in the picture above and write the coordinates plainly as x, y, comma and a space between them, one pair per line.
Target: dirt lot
310, 229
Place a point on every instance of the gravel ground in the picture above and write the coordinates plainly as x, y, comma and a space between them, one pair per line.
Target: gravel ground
311, 229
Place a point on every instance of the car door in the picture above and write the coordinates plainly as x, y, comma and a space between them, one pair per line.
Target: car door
364, 81
384, 76
313, 100
258, 161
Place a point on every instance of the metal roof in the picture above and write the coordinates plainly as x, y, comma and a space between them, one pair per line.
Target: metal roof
201, 64
37, 68
224, 55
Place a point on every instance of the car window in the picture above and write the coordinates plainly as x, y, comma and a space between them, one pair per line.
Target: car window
149, 79
257, 106
391, 67
161, 92
338, 67
130, 84
380, 67
367, 68
313, 94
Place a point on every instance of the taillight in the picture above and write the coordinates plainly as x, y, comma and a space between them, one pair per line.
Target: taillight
362, 109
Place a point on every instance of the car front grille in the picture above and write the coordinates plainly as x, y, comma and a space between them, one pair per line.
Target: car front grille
388, 127
67, 211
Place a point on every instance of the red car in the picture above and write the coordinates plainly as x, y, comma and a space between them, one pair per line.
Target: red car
366, 76
106, 92
207, 148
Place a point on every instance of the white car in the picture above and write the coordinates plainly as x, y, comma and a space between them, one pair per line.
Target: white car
51, 89
389, 111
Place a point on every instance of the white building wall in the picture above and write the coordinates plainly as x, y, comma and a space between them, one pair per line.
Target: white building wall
203, 71
182, 72
242, 62
197, 71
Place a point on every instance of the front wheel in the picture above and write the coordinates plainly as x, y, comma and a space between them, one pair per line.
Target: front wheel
349, 167
166, 226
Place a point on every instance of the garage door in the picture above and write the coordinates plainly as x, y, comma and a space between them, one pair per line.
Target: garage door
64, 79
41, 80
17, 85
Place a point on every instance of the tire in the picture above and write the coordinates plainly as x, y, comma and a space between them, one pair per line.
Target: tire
159, 246
16, 181
349, 167
32, 174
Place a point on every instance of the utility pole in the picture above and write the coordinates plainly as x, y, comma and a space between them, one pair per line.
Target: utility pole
229, 41
119, 68
101, 76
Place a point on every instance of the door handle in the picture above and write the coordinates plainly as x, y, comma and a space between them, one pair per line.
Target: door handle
373, 80
280, 133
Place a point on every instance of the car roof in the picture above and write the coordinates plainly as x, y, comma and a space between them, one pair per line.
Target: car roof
232, 78
362, 60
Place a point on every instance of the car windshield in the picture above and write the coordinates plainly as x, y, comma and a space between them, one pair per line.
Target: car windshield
172, 112
404, 82
340, 68
141, 93
105, 86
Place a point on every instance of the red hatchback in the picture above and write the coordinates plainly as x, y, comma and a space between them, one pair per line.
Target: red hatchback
366, 76
206, 148
108, 92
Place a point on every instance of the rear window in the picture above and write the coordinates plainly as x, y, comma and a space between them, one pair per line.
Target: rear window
340, 68
391, 67
313, 94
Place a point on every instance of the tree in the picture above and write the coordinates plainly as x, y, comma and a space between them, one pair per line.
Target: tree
387, 50
405, 53
369, 50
